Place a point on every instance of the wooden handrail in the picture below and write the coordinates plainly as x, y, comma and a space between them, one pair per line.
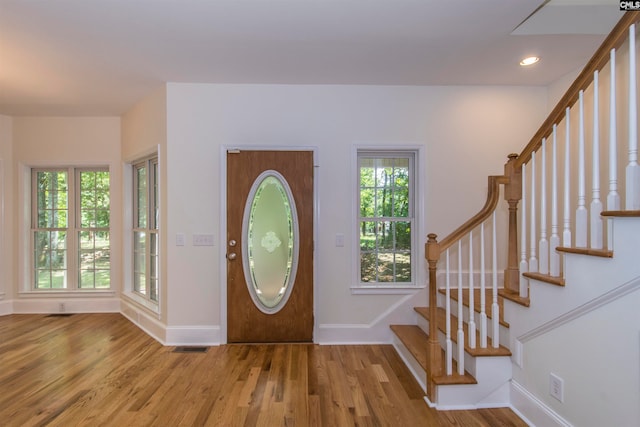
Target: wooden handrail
493, 195
599, 59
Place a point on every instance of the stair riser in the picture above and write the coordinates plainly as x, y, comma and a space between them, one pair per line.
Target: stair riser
465, 309
470, 362
504, 332
494, 374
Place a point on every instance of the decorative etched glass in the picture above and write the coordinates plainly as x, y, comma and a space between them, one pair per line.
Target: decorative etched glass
270, 244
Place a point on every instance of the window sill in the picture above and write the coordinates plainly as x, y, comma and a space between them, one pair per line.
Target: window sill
75, 293
385, 290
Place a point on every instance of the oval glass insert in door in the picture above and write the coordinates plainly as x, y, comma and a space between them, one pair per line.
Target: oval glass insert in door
270, 243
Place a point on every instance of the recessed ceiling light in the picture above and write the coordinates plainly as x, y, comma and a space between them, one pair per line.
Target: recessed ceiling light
529, 61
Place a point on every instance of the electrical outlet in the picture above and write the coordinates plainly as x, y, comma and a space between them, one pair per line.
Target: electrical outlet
556, 387
61, 307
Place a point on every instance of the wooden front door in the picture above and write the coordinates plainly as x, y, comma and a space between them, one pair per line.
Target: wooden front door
247, 323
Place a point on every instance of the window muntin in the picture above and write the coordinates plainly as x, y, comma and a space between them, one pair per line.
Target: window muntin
386, 217
70, 228
145, 230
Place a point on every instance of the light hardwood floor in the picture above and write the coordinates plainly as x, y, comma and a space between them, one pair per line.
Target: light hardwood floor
100, 369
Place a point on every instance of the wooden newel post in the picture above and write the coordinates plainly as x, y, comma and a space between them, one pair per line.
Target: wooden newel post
434, 351
512, 194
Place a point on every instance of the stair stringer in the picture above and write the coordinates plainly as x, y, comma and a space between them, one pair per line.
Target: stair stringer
416, 370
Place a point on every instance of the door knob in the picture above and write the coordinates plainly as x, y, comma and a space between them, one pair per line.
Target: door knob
231, 256
232, 242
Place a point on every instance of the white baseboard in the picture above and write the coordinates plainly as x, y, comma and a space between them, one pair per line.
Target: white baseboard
170, 335
192, 335
353, 334
71, 305
412, 364
151, 326
376, 332
6, 308
532, 410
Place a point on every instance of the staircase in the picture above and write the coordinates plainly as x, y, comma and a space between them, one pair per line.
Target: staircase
488, 371
562, 258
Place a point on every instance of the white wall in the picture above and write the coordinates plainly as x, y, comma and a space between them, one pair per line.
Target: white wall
144, 126
599, 364
65, 141
467, 133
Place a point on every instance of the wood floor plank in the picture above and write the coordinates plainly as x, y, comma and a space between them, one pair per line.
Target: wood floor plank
101, 370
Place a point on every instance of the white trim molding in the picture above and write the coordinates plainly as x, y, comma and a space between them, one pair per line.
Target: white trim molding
64, 303
377, 331
6, 307
192, 335
582, 310
144, 320
532, 410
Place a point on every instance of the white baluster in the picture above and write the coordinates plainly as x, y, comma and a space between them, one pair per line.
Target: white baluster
596, 204
495, 309
554, 241
472, 322
632, 201
533, 260
447, 305
524, 266
613, 198
543, 245
483, 295
460, 314
581, 211
566, 232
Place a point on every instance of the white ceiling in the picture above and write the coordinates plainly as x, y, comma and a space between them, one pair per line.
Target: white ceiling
99, 57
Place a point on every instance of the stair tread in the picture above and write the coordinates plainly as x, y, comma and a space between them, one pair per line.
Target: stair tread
477, 352
476, 302
415, 339
603, 253
513, 296
547, 278
455, 378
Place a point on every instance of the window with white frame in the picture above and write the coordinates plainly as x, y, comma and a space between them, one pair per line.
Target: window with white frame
386, 217
70, 229
145, 229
